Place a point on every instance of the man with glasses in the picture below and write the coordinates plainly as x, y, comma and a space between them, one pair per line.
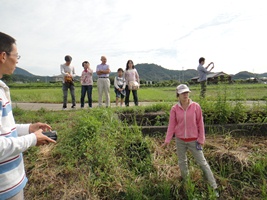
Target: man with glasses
14, 138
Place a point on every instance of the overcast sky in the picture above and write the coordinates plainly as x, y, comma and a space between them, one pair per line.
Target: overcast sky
170, 33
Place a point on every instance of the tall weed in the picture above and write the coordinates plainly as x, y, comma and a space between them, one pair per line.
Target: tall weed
110, 149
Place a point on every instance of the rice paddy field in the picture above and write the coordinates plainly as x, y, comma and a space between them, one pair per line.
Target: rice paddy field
52, 93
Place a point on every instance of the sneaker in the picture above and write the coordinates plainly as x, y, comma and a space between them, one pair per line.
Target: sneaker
64, 108
216, 193
73, 106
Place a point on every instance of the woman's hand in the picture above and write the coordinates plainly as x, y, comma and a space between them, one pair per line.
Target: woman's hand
165, 144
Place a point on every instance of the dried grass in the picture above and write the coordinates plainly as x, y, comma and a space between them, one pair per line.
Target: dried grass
47, 180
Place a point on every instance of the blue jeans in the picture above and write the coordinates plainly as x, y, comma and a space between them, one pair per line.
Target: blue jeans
88, 89
120, 94
65, 88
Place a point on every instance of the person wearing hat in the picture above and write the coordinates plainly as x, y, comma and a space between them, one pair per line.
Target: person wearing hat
186, 124
202, 75
68, 73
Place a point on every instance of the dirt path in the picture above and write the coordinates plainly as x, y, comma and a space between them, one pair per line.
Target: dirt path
53, 106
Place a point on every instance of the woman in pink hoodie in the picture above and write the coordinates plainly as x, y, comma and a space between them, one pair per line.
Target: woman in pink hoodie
186, 124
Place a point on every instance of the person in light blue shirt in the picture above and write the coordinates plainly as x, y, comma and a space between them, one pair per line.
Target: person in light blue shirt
202, 75
103, 82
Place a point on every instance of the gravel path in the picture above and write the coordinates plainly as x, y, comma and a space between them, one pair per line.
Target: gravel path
53, 106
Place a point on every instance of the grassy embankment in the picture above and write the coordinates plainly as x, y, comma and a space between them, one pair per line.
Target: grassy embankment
99, 157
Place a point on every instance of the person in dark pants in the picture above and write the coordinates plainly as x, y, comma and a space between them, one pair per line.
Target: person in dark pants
132, 78
68, 73
87, 83
203, 72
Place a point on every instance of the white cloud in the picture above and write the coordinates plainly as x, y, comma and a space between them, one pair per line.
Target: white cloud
171, 33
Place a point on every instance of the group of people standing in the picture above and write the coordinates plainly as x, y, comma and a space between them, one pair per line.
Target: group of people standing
122, 83
185, 123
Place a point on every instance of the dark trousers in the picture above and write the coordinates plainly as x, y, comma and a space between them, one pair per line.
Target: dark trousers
128, 95
86, 89
203, 88
65, 88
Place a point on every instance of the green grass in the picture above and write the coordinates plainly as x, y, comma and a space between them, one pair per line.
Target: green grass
99, 157
48, 94
54, 95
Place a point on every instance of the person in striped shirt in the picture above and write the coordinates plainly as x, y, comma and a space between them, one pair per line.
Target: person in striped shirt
14, 138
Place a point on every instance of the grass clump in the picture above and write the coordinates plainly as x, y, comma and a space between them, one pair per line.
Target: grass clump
106, 148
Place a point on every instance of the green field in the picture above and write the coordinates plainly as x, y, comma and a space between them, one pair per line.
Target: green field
50, 94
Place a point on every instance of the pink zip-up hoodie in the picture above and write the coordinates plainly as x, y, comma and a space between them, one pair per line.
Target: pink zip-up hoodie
186, 123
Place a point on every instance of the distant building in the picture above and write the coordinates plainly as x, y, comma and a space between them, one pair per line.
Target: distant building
257, 80
263, 78
215, 78
58, 78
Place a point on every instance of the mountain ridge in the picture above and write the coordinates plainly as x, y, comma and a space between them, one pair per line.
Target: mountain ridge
147, 72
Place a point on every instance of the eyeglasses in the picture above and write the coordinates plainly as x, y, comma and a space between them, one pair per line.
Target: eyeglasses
15, 54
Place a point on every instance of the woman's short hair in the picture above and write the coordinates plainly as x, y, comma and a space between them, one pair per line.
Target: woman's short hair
85, 62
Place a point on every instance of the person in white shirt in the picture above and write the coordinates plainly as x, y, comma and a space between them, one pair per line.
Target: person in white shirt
68, 73
119, 85
131, 75
103, 82
14, 138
